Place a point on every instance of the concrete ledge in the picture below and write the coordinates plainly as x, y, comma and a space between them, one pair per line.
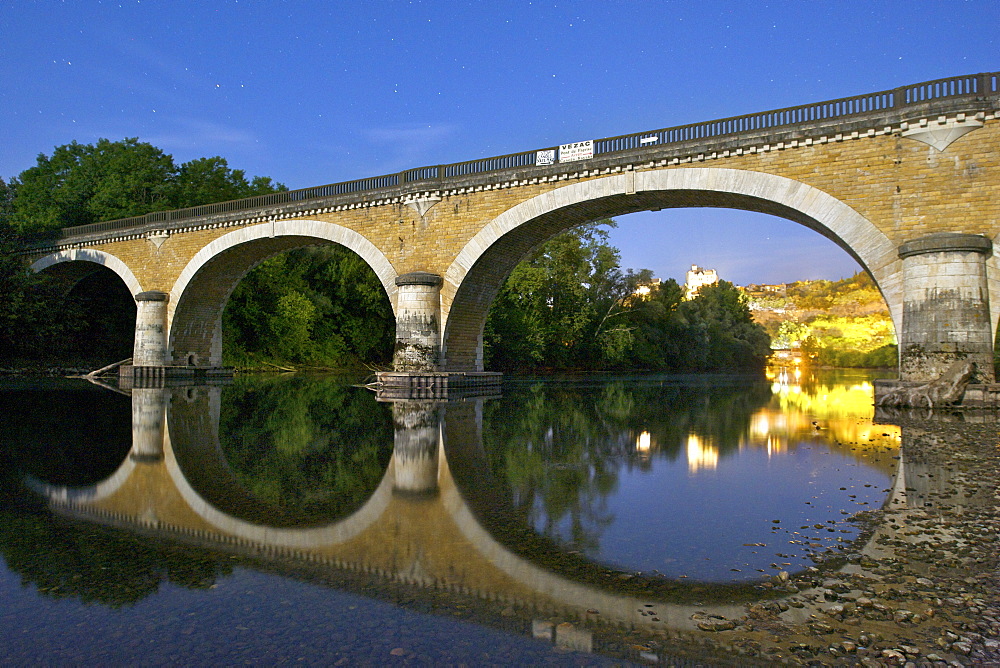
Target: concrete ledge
419, 278
152, 296
162, 376
444, 385
947, 242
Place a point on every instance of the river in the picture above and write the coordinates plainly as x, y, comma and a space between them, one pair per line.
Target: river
577, 521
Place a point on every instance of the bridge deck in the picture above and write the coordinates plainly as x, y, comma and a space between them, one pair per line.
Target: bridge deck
816, 122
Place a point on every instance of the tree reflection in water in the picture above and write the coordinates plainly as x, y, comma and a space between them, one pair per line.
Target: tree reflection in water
313, 448
712, 478
560, 447
54, 437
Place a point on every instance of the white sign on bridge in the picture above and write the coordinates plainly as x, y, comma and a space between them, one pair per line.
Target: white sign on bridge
546, 157
579, 150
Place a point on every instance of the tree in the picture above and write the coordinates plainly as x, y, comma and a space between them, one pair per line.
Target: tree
570, 306
556, 305
661, 335
35, 316
729, 336
209, 180
6, 204
321, 306
86, 183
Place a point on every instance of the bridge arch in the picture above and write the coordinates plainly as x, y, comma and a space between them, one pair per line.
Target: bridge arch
198, 297
335, 533
475, 277
93, 256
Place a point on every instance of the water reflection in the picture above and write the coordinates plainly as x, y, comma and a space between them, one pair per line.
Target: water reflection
719, 480
562, 497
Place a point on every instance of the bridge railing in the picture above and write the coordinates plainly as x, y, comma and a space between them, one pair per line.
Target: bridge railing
971, 86
511, 161
766, 120
963, 86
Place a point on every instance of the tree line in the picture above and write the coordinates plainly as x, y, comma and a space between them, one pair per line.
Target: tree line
568, 306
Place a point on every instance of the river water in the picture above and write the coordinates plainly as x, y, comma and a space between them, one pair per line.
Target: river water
291, 518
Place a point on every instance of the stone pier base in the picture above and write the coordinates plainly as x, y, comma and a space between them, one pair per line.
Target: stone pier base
437, 384
130, 376
977, 395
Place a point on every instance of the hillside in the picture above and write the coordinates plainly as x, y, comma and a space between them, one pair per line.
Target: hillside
839, 323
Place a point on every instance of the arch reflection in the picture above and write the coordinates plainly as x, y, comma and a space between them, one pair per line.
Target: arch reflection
441, 514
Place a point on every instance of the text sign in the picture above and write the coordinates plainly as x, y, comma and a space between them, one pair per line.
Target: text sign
546, 157
579, 150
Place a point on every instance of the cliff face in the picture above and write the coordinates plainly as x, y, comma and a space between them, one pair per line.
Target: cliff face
845, 319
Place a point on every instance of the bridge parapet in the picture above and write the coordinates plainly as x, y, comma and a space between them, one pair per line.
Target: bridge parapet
882, 112
870, 172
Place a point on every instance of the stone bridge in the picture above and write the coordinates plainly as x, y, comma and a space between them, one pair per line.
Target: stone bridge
904, 180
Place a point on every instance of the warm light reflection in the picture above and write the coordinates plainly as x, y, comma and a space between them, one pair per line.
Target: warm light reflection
642, 442
701, 455
818, 411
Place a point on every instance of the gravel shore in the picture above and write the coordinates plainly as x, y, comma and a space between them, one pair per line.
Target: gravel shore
923, 591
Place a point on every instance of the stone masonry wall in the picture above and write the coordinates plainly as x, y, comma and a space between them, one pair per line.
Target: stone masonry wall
906, 188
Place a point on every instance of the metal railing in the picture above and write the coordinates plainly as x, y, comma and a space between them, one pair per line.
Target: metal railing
967, 86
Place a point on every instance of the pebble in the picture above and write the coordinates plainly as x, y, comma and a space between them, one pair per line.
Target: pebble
931, 572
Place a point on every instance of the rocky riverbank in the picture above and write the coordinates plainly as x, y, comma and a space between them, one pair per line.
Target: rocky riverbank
923, 591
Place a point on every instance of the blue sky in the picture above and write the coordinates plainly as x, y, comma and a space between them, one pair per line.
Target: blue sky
317, 92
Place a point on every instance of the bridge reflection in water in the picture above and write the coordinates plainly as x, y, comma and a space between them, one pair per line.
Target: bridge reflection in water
437, 519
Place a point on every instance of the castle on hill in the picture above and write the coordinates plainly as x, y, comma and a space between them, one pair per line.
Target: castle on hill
697, 278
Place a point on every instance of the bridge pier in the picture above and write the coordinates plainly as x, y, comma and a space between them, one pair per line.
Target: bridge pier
418, 322
946, 309
416, 439
148, 414
150, 347
416, 359
151, 364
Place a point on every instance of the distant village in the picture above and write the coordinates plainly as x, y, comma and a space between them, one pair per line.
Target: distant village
841, 322
698, 277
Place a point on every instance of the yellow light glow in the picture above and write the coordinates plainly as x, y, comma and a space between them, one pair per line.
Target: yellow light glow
642, 443
701, 455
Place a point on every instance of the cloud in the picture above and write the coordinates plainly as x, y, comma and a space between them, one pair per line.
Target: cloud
404, 146
192, 134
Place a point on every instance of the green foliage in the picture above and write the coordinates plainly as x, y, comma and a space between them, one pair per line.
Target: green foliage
40, 317
883, 357
306, 447
848, 295
790, 333
318, 306
87, 183
570, 306
210, 180
729, 338
6, 204
555, 305
56, 317
840, 323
